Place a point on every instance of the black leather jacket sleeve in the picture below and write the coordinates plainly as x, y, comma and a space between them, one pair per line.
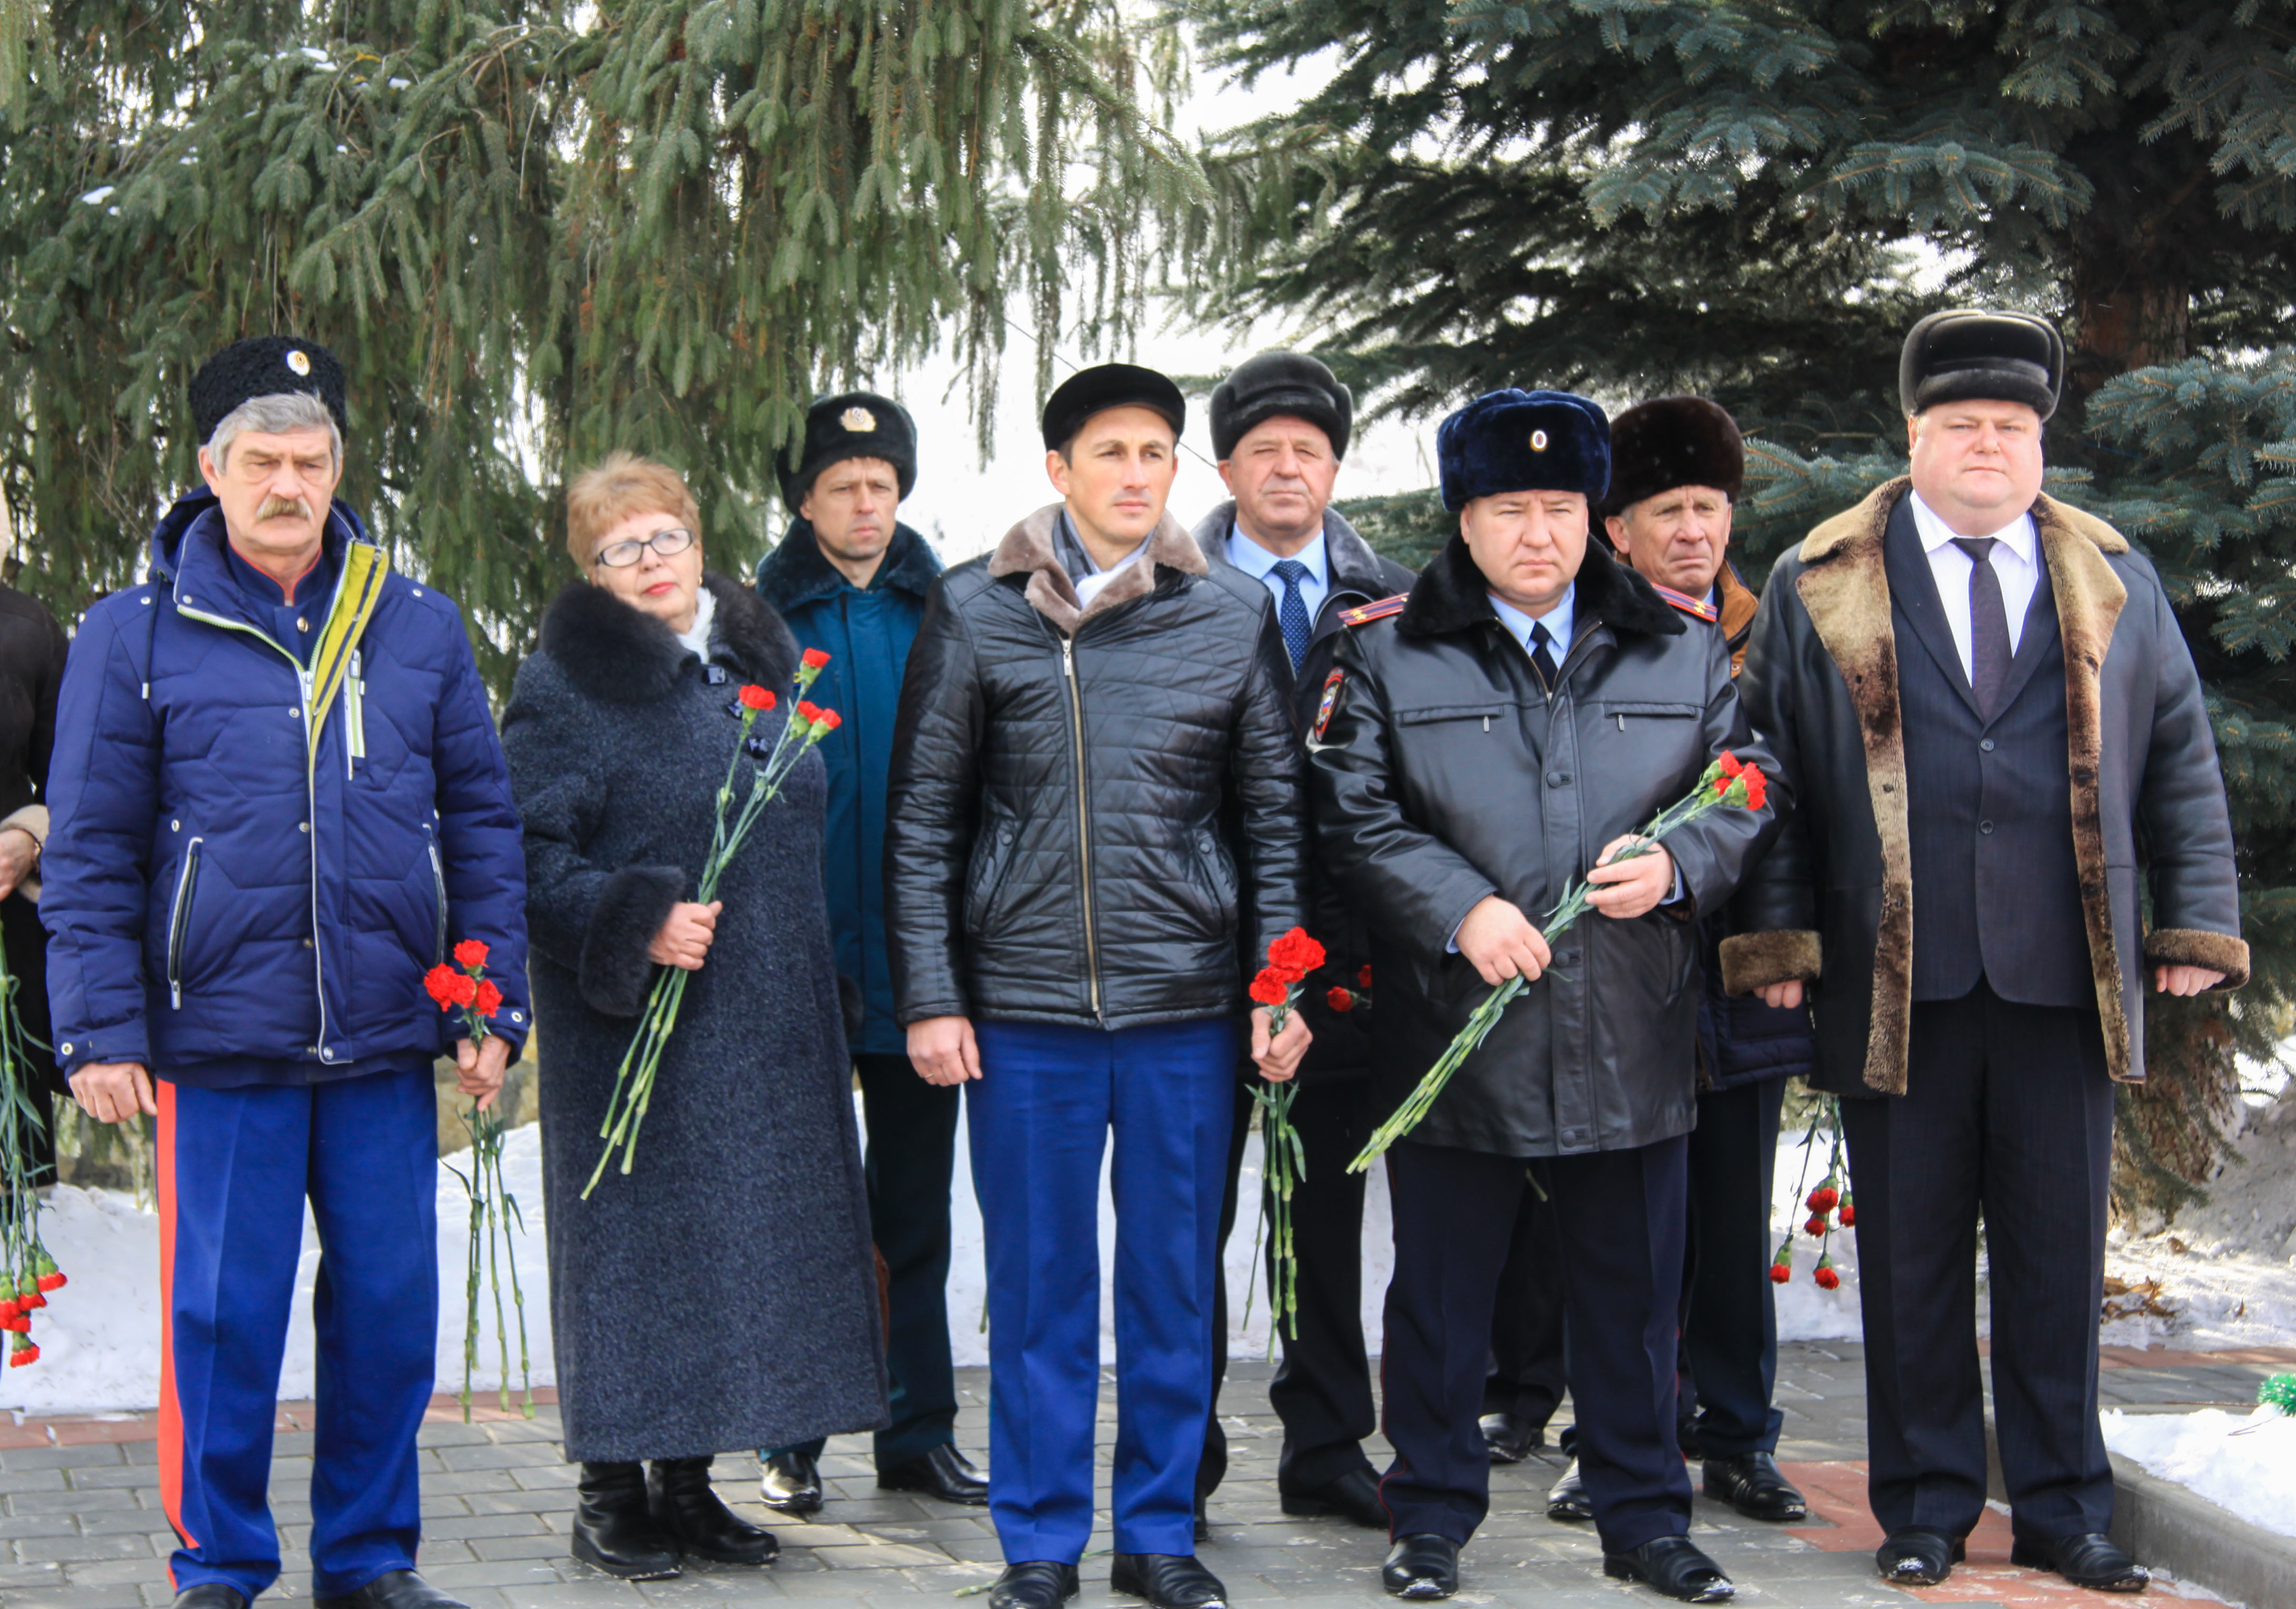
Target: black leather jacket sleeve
1715, 852
931, 814
1268, 784
1405, 879
1780, 893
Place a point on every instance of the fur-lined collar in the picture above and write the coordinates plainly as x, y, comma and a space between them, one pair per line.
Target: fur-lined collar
622, 655
1353, 567
1028, 549
796, 573
1869, 519
1452, 594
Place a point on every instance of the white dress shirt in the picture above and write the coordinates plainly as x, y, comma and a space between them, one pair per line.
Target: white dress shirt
2016, 564
1253, 559
1558, 622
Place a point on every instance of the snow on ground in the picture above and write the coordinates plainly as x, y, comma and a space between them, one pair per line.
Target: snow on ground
2251, 1473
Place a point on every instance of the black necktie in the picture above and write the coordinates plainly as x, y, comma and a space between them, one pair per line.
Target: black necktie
1988, 625
1540, 643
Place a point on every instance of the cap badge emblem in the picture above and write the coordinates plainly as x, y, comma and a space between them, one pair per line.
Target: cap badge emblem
860, 421
1538, 441
300, 361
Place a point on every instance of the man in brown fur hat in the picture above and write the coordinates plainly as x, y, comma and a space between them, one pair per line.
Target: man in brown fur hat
1930, 667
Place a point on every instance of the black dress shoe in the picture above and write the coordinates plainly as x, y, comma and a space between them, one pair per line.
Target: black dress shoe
1203, 1518
687, 1507
1353, 1497
394, 1589
1675, 1566
614, 1527
1915, 1555
210, 1595
1750, 1483
792, 1483
944, 1473
1035, 1584
1169, 1580
1421, 1567
2088, 1560
1509, 1437
1568, 1500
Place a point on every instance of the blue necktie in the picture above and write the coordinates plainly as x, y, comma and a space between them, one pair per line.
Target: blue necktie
1541, 643
1291, 614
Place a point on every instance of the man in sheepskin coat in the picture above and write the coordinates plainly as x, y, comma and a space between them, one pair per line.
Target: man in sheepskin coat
1095, 817
1929, 668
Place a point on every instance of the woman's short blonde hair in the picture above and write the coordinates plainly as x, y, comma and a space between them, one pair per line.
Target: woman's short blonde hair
619, 485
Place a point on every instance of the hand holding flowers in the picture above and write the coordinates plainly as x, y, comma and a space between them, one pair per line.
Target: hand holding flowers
1276, 992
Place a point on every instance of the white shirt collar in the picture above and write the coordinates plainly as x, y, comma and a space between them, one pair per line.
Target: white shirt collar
1559, 621
2018, 536
1257, 561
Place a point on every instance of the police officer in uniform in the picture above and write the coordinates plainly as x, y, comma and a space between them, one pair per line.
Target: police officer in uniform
1498, 732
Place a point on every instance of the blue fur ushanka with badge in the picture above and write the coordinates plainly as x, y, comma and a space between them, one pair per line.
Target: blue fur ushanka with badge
1523, 441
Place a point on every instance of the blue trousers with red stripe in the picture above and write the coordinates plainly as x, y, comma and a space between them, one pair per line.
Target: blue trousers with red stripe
235, 1167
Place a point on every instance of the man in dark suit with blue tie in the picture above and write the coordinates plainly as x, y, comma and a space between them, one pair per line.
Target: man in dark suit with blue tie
1997, 741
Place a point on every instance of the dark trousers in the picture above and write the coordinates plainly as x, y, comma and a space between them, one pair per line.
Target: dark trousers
1729, 1316
1049, 1103
2007, 1113
1322, 1393
1525, 1373
235, 1168
1619, 1215
911, 1158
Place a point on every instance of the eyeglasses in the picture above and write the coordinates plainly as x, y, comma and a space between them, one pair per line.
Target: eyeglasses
669, 543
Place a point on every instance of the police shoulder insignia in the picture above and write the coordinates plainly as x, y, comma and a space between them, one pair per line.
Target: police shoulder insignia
1364, 614
1687, 604
1331, 702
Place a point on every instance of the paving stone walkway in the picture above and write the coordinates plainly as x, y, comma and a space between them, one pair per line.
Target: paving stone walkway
82, 1529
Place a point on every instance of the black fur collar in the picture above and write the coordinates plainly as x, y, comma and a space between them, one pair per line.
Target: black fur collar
796, 573
622, 655
1451, 595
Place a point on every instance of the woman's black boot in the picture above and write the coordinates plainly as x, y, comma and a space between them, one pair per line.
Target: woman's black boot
687, 1507
614, 1527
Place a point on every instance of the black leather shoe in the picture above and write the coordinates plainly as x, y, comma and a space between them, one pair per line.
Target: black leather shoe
1034, 1584
2088, 1560
1421, 1567
1169, 1580
1675, 1565
394, 1589
1203, 1517
687, 1507
210, 1595
1751, 1484
1568, 1500
614, 1526
1354, 1496
1509, 1437
1917, 1556
944, 1473
792, 1483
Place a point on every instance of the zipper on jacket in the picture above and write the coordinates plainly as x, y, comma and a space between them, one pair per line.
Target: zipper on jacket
438, 885
1084, 822
354, 717
179, 921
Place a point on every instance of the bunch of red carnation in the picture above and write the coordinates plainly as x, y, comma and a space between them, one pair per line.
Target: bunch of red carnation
466, 987
1289, 960
32, 1285
1751, 787
1829, 1198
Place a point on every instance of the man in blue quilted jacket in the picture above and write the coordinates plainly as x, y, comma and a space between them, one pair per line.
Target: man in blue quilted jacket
277, 801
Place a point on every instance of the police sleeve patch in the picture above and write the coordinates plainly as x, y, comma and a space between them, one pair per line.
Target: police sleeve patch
1330, 703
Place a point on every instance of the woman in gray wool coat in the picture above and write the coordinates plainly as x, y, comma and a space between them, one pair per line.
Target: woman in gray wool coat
722, 1294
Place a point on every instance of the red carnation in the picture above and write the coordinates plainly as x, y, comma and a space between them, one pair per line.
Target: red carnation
9, 1310
814, 660
807, 710
1363, 977
1340, 999
1758, 787
1848, 1215
29, 1298
54, 1280
20, 1323
828, 720
470, 953
489, 1000
1270, 987
754, 697
1815, 1226
1295, 953
23, 1355
1780, 1272
1822, 1199
1826, 1279
464, 989
1730, 764
438, 984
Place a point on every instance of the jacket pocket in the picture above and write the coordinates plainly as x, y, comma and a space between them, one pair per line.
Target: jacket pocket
179, 920
1215, 876
1485, 712
992, 858
438, 892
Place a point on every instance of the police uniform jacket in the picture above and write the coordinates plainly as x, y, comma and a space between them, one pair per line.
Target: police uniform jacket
1447, 771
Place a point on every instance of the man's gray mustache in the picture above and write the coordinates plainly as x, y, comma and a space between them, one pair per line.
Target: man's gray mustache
275, 508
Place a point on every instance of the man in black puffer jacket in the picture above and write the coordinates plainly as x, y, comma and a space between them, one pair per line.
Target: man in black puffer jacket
1094, 814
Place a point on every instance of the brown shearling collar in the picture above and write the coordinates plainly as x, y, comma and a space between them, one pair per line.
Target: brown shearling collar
1028, 549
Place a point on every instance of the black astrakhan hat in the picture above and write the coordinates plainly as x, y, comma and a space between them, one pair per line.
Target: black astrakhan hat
1972, 353
1276, 383
264, 365
1674, 441
856, 424
1105, 386
1523, 441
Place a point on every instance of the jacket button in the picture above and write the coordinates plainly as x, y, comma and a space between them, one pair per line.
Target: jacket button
310, 1049
302, 827
1987, 746
1985, 827
1569, 958
306, 943
65, 1048
1556, 779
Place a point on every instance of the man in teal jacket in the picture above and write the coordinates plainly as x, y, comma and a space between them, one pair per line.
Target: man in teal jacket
850, 580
